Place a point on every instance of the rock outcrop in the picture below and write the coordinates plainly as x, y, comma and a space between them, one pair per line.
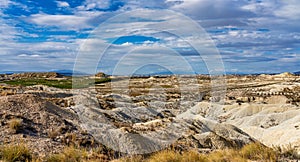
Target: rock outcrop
48, 75
142, 115
44, 127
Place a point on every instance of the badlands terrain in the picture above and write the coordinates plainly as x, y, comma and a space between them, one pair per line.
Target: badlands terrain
121, 116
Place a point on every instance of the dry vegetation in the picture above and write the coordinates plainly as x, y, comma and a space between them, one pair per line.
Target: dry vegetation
251, 152
12, 153
69, 154
74, 154
15, 124
63, 83
77, 147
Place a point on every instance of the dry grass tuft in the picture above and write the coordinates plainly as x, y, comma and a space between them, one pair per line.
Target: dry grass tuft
287, 152
256, 151
69, 154
135, 158
12, 153
251, 152
72, 154
193, 156
166, 156
227, 155
15, 124
53, 133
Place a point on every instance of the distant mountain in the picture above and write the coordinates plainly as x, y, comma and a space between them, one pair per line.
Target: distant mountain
153, 73
297, 73
69, 72
61, 72
64, 72
11, 72
79, 73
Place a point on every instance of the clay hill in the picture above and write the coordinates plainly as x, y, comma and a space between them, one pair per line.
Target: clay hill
144, 115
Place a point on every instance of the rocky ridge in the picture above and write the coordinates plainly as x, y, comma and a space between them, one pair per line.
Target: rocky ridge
262, 108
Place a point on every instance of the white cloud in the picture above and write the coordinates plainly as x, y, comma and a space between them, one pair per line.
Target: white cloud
4, 3
271, 11
18, 56
34, 55
95, 4
280, 17
65, 22
207, 9
7, 32
289, 9
141, 56
162, 4
126, 44
62, 4
27, 55
23, 55
263, 8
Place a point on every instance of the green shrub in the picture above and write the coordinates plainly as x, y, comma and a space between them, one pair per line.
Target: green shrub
63, 84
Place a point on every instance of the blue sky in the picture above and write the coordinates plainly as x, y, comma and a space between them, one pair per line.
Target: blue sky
252, 36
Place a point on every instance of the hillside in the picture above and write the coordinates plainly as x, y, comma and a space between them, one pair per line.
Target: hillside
145, 115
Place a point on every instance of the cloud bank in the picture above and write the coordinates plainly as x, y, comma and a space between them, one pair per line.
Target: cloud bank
252, 36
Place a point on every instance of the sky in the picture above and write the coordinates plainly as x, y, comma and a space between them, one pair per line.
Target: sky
251, 36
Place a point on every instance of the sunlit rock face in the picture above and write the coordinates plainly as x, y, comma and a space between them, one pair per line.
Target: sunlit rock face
146, 114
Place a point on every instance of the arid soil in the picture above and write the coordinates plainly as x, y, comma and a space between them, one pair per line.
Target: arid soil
145, 114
